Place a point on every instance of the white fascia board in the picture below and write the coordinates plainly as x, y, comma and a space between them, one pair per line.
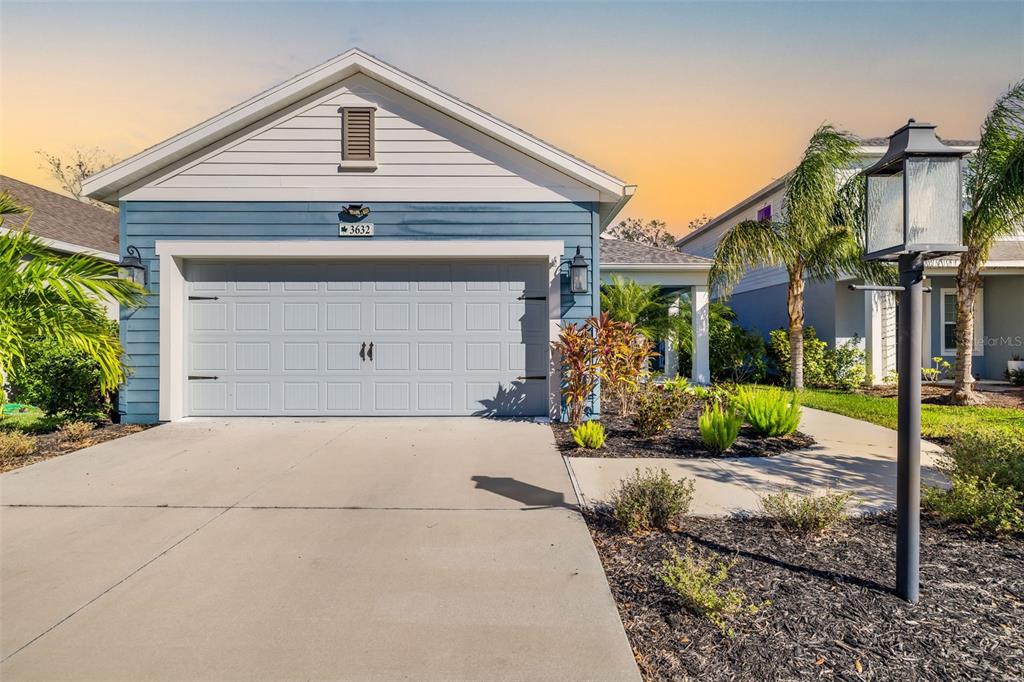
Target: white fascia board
105, 184
68, 247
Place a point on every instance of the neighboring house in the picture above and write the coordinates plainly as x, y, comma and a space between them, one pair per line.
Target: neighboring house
64, 224
677, 273
840, 315
354, 242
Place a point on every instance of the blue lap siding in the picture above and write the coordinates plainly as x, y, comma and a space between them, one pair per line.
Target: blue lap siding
144, 223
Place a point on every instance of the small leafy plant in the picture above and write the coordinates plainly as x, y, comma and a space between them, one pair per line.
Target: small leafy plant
15, 444
649, 500
656, 409
698, 581
772, 412
719, 426
808, 513
75, 431
589, 434
577, 348
1016, 376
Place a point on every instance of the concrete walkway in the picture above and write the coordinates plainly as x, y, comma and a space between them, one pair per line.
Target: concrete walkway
373, 549
850, 455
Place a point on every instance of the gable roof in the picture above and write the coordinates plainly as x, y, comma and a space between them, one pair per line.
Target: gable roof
106, 184
65, 224
622, 252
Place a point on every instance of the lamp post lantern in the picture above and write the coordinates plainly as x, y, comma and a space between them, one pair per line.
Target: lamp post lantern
914, 212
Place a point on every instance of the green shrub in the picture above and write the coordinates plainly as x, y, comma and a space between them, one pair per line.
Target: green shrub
651, 499
677, 383
1016, 377
824, 367
59, 380
719, 426
589, 434
812, 514
657, 408
845, 366
978, 502
15, 444
74, 431
771, 411
698, 581
985, 469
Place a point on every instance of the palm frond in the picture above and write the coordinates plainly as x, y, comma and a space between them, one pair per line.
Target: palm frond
995, 173
642, 305
813, 187
748, 245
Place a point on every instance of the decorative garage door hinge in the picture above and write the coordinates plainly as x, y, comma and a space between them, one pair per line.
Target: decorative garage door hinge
533, 298
537, 377
193, 377
202, 298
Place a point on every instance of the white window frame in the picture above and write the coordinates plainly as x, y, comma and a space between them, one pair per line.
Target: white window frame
979, 322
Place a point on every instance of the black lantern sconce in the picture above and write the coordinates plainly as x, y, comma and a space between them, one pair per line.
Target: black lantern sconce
578, 268
130, 267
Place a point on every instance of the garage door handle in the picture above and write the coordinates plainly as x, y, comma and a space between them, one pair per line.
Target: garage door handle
193, 377
362, 352
371, 351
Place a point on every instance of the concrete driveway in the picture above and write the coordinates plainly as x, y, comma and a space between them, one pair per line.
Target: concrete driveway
313, 549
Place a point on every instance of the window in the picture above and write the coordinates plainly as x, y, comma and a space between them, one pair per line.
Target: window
948, 322
765, 212
357, 134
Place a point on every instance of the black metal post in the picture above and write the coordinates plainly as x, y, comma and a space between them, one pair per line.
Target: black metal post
908, 465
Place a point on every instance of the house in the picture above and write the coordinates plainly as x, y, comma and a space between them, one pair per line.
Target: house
681, 275
868, 319
64, 224
355, 241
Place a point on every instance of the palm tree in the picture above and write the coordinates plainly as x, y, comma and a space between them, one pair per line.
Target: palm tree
43, 295
641, 305
994, 184
815, 239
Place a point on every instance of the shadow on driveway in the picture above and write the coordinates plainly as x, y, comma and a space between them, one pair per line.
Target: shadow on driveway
531, 496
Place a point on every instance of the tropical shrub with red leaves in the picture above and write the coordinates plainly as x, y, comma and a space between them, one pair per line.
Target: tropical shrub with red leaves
577, 348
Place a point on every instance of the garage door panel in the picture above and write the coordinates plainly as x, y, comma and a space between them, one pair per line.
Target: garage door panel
448, 338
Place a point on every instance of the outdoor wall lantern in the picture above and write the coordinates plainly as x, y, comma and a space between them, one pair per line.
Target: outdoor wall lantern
914, 211
578, 273
130, 267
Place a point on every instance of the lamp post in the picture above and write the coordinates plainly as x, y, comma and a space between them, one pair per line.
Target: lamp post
914, 212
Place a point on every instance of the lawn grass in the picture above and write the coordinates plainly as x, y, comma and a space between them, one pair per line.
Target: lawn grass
31, 421
937, 421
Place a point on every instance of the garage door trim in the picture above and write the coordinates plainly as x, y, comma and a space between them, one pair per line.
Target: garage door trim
173, 254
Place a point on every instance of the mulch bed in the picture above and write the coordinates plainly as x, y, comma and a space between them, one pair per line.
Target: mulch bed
50, 445
939, 395
832, 612
682, 441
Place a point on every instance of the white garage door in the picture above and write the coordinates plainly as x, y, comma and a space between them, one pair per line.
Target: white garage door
367, 338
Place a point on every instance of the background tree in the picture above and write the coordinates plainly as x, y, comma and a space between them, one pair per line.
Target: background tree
652, 232
994, 184
811, 239
698, 222
46, 296
71, 170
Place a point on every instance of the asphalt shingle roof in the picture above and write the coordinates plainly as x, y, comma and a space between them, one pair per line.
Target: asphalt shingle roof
621, 252
55, 216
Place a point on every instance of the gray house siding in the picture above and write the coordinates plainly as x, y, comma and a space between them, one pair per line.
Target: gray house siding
765, 309
143, 223
1003, 311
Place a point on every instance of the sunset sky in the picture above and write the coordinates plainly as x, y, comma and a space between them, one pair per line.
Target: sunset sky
697, 103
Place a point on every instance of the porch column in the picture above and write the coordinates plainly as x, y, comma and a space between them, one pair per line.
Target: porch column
671, 352
699, 315
874, 349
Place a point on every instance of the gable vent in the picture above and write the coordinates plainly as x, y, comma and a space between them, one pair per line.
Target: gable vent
357, 134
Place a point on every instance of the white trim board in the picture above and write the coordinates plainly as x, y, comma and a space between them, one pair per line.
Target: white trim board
173, 255
979, 322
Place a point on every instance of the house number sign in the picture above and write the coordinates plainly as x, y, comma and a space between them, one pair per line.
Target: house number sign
355, 229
